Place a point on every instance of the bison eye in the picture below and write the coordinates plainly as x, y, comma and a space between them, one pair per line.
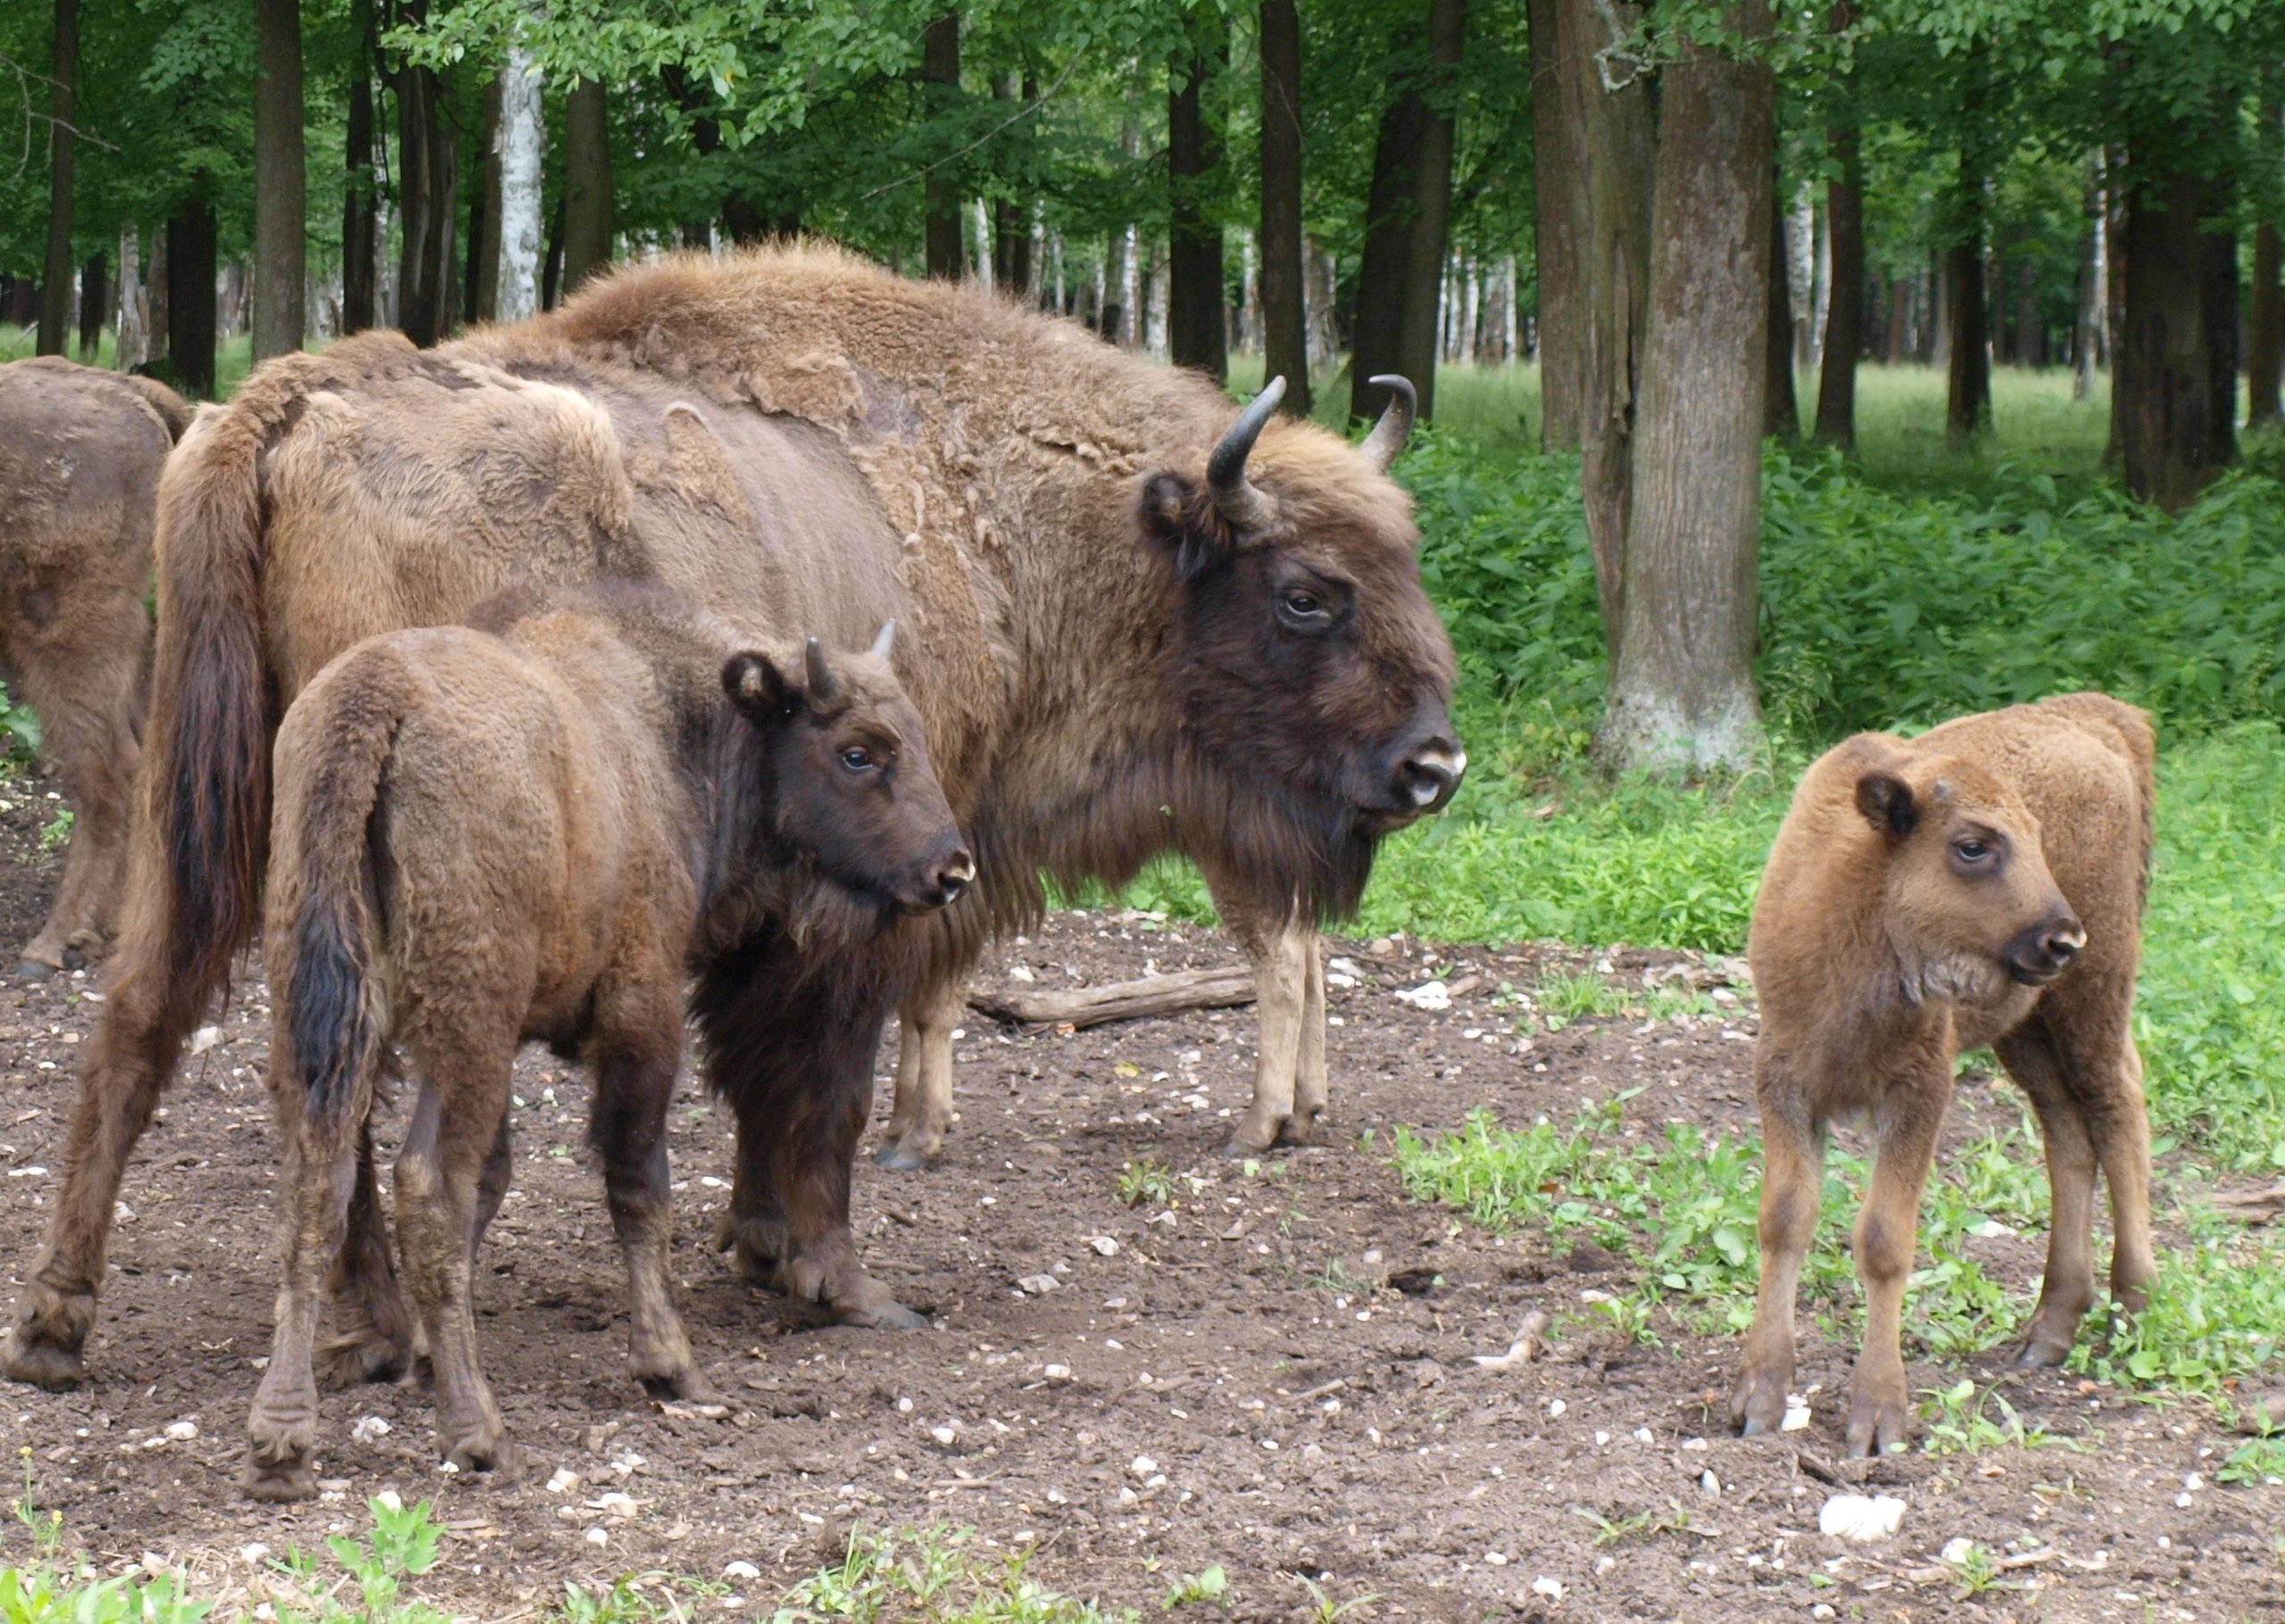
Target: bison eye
1303, 609
857, 758
1971, 851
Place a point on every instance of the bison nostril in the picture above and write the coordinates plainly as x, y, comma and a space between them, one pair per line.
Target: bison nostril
1430, 777
2063, 948
956, 877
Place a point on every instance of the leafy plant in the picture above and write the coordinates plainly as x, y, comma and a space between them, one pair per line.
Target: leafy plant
919, 1576
1210, 1584
1959, 1422
1146, 1181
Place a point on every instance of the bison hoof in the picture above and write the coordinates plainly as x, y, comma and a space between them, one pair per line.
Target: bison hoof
1758, 1403
32, 970
2043, 1354
1877, 1427
885, 1314
688, 1384
901, 1155
42, 1362
277, 1482
488, 1450
1297, 1131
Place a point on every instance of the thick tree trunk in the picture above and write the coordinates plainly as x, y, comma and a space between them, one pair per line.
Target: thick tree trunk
133, 348
1781, 406
1432, 203
1899, 340
1388, 239
1400, 281
55, 278
588, 203
1620, 141
2265, 327
1844, 316
2219, 301
95, 303
940, 69
1967, 401
359, 209
1682, 692
2170, 442
1197, 334
160, 332
425, 199
280, 182
1284, 300
482, 287
523, 139
1559, 215
190, 297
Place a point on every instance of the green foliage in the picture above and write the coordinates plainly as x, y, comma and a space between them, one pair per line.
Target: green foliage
57, 831
1145, 1181
1964, 1419
41, 1595
1210, 1584
931, 1576
2258, 1460
19, 730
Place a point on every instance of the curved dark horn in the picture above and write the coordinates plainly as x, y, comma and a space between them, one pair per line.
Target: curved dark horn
1225, 469
1395, 426
822, 686
886, 641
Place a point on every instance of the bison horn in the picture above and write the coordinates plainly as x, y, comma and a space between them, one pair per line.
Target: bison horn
1395, 426
886, 641
1225, 469
822, 685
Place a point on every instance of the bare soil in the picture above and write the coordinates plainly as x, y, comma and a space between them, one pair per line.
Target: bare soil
1271, 1373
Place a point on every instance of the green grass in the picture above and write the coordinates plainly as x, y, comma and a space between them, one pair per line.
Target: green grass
924, 1576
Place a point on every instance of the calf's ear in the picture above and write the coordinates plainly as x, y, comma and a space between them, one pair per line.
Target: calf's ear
1886, 801
757, 687
1175, 518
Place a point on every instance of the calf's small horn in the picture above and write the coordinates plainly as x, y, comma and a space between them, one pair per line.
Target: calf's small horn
822, 685
885, 641
1395, 426
1225, 470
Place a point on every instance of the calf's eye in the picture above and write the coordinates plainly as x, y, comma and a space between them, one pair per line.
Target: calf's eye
857, 758
1971, 851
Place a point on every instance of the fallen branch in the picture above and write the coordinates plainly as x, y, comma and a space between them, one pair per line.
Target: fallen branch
1153, 995
2253, 1206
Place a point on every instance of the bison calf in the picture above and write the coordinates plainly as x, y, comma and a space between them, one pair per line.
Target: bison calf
1979, 884
484, 838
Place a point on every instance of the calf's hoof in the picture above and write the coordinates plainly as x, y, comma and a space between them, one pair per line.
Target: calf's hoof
33, 970
1758, 1402
487, 1449
687, 1383
1877, 1425
281, 1482
51, 1328
904, 1154
881, 1313
2043, 1352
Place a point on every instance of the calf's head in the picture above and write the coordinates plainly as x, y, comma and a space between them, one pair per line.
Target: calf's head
1305, 653
1970, 907
851, 786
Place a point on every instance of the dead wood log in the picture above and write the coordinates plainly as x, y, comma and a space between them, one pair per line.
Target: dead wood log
1153, 995
2253, 1206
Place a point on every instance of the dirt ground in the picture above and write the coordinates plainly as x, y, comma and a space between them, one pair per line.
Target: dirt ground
1273, 1373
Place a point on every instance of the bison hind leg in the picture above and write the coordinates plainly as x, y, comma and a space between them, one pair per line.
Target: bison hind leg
372, 1338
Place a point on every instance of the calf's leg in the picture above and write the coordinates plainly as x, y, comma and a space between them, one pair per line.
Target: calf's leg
321, 1170
923, 1111
372, 1335
1905, 1122
2068, 1289
1791, 1181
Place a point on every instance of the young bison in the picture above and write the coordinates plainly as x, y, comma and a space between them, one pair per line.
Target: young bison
80, 451
488, 836
1925, 897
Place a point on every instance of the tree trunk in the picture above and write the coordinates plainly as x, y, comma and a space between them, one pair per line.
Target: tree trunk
1284, 300
359, 207
190, 296
1197, 336
1559, 214
482, 292
940, 69
1781, 408
551, 277
1432, 203
1967, 406
523, 140
2219, 301
55, 280
587, 222
2265, 327
425, 196
159, 331
1844, 316
2088, 325
1682, 693
1900, 344
95, 303
1388, 236
281, 184
1400, 281
134, 318
2170, 443
1621, 151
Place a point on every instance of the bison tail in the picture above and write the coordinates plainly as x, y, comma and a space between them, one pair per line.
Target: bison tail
329, 915
173, 410
206, 779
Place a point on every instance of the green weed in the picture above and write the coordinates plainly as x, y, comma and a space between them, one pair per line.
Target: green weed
1674, 1518
1964, 1419
1210, 1584
47, 1528
1146, 1181
931, 1576
2258, 1460
57, 831
1323, 1609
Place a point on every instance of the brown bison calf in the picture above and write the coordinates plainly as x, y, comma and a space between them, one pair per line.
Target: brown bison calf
80, 451
484, 838
1925, 897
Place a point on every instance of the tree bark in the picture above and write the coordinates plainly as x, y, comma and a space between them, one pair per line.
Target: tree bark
1682, 692
280, 181
1619, 142
424, 194
2170, 443
133, 347
2089, 324
55, 280
1967, 405
1559, 214
1432, 203
1844, 317
1197, 333
523, 139
940, 69
2265, 327
158, 332
587, 217
2219, 301
1388, 235
95, 303
1781, 408
190, 296
360, 206
1284, 298
482, 292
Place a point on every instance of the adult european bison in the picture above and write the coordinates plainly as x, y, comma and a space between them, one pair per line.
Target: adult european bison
79, 455
1133, 626
1981, 883
482, 839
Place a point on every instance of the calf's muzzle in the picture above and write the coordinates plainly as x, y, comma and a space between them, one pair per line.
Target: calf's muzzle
2043, 952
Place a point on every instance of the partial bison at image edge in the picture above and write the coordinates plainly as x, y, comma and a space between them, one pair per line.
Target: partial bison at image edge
1982, 883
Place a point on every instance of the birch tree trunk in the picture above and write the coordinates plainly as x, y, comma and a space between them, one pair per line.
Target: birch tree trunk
133, 315
523, 139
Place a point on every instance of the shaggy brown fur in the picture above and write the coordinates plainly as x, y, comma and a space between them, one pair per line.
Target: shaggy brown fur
481, 840
79, 455
1979, 884
796, 440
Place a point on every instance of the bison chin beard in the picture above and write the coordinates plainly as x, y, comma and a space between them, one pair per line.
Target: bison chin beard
1310, 850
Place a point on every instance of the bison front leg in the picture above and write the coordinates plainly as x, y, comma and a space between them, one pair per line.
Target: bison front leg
1792, 1172
2067, 1289
1286, 1100
923, 1110
1888, 1234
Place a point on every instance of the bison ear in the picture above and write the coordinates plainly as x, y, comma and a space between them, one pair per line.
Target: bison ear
757, 687
1174, 519
1886, 801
